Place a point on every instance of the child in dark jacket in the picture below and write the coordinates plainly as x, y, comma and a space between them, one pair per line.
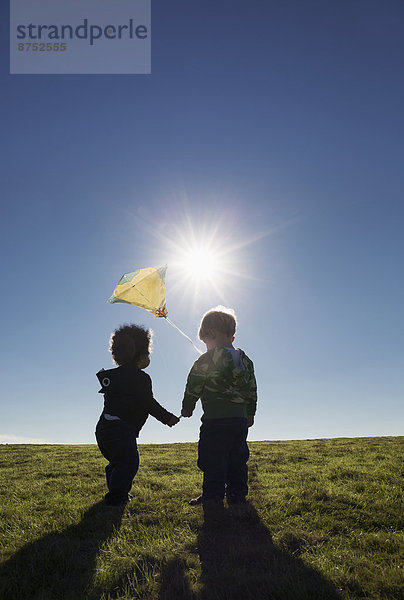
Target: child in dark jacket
128, 401
223, 378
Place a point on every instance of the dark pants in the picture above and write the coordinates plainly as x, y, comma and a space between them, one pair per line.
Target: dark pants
117, 442
222, 456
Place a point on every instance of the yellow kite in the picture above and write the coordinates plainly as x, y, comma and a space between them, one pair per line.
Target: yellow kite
146, 288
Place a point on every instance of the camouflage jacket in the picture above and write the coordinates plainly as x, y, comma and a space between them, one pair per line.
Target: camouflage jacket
225, 390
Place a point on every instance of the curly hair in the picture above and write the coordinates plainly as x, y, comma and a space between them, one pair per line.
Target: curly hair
129, 343
220, 318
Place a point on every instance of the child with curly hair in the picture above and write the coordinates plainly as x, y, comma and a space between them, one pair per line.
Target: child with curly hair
128, 401
223, 378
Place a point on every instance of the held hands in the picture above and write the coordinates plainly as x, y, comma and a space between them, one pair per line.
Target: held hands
174, 420
187, 413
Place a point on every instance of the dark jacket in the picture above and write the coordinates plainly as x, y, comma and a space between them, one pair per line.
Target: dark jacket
128, 395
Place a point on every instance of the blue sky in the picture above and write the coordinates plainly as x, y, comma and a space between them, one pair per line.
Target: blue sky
273, 131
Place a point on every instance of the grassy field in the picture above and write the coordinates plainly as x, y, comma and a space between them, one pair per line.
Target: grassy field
324, 522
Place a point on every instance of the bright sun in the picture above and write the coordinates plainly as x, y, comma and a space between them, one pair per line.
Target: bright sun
201, 263
200, 268
206, 254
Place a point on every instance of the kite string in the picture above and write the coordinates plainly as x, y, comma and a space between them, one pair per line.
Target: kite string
173, 325
184, 334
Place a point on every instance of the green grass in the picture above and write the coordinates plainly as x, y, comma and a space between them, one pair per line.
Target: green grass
324, 522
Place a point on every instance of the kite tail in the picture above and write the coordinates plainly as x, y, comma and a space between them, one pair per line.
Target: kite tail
184, 334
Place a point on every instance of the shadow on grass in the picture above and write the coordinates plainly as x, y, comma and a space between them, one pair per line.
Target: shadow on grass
239, 560
60, 564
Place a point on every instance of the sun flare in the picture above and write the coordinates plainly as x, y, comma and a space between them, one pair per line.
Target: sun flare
201, 263
201, 268
206, 251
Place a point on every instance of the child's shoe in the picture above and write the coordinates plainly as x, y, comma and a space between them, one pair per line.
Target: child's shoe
196, 501
114, 500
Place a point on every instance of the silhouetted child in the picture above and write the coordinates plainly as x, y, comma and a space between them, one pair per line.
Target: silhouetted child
128, 401
223, 378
